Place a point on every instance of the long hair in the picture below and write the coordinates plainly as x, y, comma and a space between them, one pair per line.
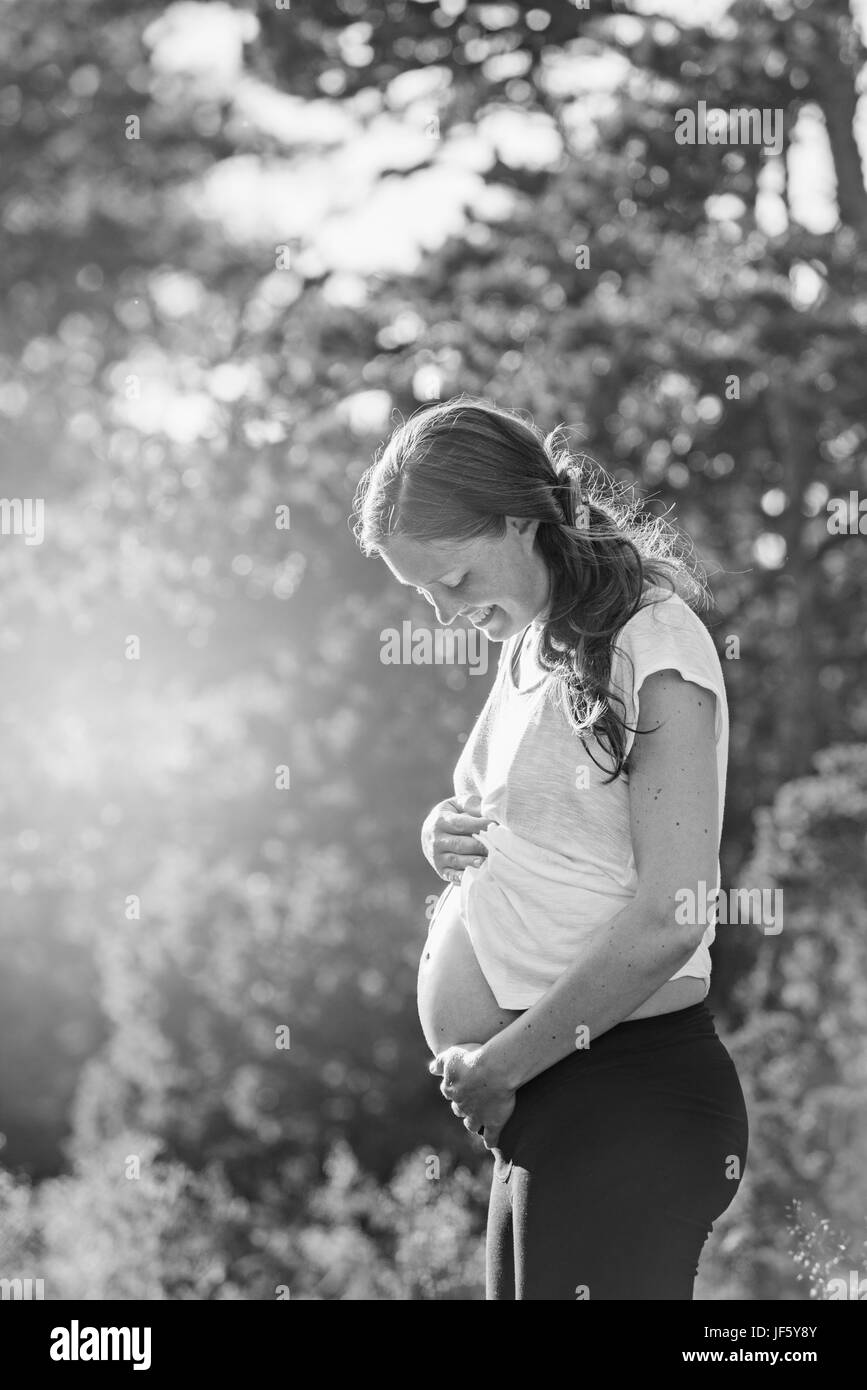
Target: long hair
456, 471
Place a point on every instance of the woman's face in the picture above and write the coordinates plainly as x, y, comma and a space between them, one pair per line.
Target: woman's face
498, 584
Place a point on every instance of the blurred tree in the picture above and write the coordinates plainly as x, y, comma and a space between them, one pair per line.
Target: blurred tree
802, 1047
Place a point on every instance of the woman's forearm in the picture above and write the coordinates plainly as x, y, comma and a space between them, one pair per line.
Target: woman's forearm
612, 974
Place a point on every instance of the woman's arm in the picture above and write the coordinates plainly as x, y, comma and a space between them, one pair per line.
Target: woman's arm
673, 798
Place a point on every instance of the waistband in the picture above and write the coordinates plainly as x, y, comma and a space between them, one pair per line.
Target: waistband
695, 1018
673, 1016
637, 1037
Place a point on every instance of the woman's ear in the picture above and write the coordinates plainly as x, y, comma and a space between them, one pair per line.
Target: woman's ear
524, 526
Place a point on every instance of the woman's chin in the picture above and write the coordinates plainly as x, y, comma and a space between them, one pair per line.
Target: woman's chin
503, 627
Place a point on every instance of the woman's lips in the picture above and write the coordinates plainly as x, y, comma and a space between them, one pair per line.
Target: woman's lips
480, 616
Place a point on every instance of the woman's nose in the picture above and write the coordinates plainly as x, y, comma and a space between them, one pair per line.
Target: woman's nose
444, 611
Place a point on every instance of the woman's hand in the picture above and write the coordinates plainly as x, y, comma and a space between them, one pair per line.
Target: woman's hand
448, 840
480, 1098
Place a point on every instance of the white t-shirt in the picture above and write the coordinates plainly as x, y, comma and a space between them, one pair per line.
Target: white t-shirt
560, 862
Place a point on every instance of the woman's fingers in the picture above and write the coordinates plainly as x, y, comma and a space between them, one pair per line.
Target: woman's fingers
455, 874
462, 844
450, 843
449, 830
463, 824
454, 854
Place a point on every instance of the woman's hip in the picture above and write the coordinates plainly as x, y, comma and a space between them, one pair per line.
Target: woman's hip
660, 1090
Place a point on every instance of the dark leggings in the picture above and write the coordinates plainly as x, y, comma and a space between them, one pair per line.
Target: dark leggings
615, 1164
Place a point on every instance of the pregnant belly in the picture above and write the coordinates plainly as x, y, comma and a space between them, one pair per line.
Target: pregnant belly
455, 1002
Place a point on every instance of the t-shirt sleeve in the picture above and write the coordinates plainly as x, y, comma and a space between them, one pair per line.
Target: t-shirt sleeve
664, 635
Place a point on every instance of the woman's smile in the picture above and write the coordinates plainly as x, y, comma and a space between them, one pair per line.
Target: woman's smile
480, 616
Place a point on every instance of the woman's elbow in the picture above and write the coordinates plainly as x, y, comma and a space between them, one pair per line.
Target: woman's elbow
682, 916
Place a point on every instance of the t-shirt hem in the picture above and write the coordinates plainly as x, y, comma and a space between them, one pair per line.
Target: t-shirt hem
507, 999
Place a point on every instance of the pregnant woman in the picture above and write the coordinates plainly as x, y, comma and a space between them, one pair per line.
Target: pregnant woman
563, 981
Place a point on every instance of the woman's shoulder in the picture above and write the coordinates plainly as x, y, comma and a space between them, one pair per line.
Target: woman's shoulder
660, 605
667, 634
665, 631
